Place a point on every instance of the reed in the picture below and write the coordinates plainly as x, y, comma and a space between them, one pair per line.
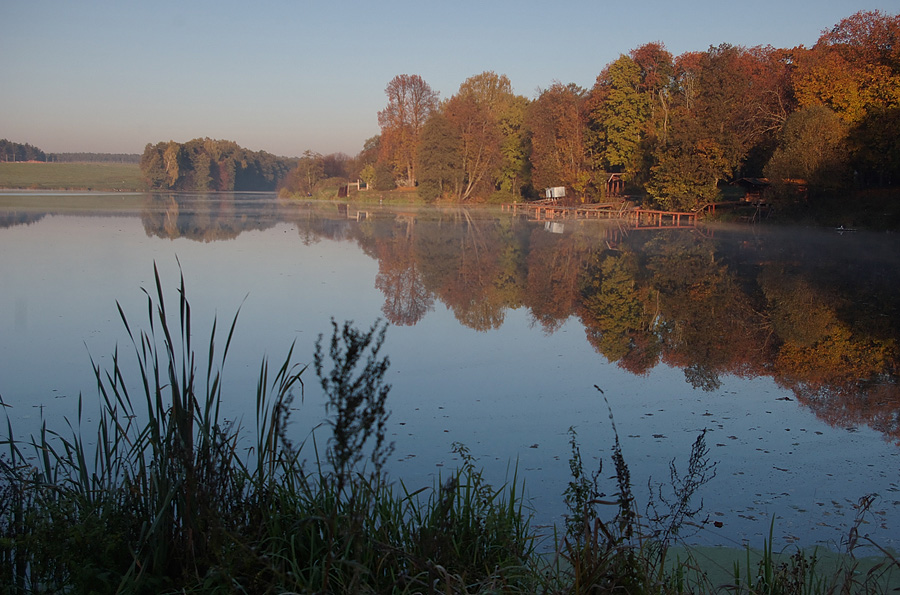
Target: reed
166, 501
157, 496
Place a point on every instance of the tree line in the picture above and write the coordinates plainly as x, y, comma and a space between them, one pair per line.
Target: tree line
94, 157
11, 151
674, 128
205, 164
810, 121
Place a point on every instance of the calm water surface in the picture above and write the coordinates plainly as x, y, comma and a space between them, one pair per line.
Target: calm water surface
782, 343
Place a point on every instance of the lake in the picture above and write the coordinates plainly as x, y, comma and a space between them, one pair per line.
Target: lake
781, 342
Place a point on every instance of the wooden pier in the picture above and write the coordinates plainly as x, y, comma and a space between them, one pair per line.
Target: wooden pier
639, 218
645, 218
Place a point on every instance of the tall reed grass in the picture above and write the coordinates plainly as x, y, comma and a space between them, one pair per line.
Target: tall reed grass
161, 496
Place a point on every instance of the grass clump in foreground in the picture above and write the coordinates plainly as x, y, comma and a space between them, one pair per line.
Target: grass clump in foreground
169, 505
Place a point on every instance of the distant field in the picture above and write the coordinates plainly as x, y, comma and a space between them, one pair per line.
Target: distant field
71, 176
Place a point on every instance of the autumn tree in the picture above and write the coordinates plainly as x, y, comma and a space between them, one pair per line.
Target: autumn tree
657, 78
336, 165
557, 122
479, 144
474, 143
657, 70
173, 157
410, 102
853, 68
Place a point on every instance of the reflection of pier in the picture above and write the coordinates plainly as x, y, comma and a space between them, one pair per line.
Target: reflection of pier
625, 211
352, 213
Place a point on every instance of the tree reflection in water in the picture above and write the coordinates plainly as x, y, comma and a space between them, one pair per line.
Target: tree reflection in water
708, 305
816, 311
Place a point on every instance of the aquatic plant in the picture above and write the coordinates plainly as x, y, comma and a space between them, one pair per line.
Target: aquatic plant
160, 496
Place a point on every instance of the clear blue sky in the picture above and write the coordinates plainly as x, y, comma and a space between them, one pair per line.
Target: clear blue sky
287, 76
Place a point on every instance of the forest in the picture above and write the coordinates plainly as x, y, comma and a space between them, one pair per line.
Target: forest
11, 151
674, 132
205, 164
812, 122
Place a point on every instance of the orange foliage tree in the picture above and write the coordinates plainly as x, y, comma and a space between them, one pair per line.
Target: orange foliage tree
410, 101
853, 68
557, 120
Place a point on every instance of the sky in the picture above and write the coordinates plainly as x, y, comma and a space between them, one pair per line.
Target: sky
289, 76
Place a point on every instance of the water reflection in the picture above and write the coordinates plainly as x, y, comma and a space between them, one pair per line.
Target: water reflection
733, 308
207, 217
815, 310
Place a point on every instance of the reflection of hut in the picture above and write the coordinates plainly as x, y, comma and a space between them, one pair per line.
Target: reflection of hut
554, 226
615, 185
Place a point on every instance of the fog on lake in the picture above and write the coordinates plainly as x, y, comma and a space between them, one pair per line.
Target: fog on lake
781, 342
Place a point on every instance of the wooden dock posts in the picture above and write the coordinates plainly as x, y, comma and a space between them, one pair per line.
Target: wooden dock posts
639, 218
661, 219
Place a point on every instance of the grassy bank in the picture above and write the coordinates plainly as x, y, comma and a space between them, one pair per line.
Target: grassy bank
72, 176
162, 495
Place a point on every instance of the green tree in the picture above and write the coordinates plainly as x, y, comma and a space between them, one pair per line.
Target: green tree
503, 126
367, 175
384, 177
812, 149
201, 164
152, 165
440, 162
619, 112
514, 172
688, 167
